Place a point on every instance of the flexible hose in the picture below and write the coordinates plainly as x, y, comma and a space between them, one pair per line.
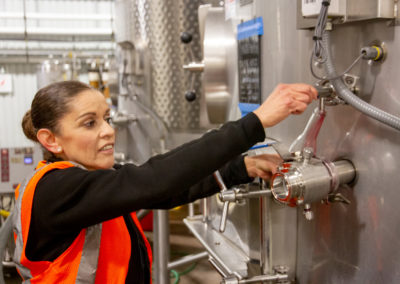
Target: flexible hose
350, 98
5, 235
175, 274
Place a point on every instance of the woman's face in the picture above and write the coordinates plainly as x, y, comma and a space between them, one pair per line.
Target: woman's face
85, 134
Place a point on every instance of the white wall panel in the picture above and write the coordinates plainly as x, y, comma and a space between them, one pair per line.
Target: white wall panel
13, 106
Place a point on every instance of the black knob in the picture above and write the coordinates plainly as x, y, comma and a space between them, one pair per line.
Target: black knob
190, 96
186, 37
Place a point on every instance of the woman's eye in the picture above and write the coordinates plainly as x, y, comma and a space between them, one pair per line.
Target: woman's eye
108, 119
89, 123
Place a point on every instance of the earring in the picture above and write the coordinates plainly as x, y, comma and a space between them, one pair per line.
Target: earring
59, 149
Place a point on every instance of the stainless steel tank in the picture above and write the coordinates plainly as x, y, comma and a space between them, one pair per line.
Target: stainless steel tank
355, 243
343, 243
159, 23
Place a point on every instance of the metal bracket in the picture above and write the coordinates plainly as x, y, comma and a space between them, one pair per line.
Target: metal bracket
337, 197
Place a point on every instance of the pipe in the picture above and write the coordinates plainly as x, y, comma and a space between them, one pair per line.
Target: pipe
142, 213
5, 235
48, 16
364, 107
161, 246
191, 209
45, 31
187, 259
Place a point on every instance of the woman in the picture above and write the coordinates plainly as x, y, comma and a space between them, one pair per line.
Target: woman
74, 220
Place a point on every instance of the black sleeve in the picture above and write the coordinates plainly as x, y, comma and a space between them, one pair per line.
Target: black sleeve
233, 173
69, 199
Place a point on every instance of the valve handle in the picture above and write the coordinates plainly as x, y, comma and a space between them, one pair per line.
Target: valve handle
190, 96
186, 37
224, 215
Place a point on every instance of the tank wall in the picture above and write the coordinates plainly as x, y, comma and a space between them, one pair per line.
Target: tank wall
356, 243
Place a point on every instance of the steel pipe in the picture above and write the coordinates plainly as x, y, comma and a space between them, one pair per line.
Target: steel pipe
161, 247
187, 259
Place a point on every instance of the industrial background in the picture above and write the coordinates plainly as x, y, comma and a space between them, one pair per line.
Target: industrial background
173, 69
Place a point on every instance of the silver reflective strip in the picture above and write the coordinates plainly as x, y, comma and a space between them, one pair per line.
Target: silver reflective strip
90, 255
90, 252
91, 247
17, 227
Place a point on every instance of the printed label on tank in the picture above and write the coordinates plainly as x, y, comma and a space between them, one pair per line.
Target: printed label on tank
249, 64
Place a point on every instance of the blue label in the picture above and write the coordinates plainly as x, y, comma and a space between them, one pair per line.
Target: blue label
250, 28
245, 108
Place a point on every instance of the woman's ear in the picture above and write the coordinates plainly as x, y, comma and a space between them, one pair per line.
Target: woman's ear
48, 140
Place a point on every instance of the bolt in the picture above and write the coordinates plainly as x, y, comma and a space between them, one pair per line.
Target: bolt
281, 269
309, 215
349, 80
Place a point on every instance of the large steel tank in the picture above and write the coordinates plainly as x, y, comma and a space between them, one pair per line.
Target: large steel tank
158, 24
343, 243
355, 243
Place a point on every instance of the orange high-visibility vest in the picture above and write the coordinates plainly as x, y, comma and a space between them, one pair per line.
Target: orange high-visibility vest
99, 254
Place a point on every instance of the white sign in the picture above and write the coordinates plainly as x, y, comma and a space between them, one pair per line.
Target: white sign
230, 9
5, 83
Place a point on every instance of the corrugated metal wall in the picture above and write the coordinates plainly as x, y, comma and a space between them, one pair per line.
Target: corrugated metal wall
48, 35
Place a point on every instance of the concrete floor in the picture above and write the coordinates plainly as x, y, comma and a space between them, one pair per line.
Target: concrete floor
203, 272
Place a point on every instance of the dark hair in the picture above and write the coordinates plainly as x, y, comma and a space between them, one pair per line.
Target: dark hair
49, 105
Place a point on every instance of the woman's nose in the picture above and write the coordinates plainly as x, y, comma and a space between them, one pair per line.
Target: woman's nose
106, 130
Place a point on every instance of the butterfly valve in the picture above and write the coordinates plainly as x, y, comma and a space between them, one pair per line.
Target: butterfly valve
309, 179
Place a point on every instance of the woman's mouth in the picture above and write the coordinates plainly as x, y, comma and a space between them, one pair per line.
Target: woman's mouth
107, 148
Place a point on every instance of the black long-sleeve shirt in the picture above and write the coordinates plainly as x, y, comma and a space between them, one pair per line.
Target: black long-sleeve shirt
68, 200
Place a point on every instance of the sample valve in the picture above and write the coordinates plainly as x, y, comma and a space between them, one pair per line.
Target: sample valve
310, 179
233, 195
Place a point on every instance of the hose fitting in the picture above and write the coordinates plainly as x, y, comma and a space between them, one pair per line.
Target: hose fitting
373, 52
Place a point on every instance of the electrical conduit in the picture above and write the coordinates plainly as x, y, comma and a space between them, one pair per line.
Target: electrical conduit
352, 99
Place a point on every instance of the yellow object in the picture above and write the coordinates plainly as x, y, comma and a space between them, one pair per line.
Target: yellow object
378, 50
4, 213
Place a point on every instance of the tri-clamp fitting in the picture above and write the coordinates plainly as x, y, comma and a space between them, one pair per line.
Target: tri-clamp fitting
310, 179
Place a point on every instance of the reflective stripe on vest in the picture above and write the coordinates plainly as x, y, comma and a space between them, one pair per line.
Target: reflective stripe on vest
92, 236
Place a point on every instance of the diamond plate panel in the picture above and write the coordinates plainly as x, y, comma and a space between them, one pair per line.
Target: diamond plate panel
160, 23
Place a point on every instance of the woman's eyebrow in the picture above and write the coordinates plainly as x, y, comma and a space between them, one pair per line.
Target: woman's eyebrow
86, 114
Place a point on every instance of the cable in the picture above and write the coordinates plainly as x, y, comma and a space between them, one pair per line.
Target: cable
318, 50
189, 269
319, 53
344, 92
175, 274
338, 76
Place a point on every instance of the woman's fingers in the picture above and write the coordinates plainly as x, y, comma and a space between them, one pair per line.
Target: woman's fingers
306, 89
298, 107
262, 166
286, 99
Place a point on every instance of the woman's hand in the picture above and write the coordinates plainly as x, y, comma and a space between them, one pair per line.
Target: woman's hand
263, 166
286, 99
